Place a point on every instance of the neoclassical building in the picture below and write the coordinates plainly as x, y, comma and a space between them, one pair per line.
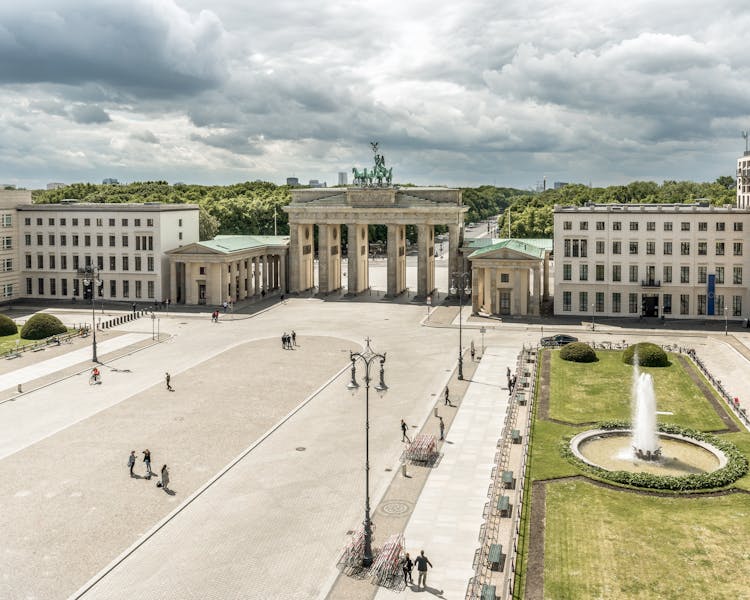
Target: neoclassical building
330, 208
228, 268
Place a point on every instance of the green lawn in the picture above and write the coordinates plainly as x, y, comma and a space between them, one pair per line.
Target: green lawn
8, 342
601, 543
582, 393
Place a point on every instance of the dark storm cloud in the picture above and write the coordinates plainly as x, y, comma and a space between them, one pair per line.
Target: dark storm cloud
87, 114
144, 47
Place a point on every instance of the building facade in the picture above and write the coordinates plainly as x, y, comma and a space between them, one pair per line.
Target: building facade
126, 243
743, 181
683, 261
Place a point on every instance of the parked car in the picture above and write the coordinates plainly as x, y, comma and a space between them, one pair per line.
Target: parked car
560, 339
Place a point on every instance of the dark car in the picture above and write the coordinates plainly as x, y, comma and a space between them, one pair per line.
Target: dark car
554, 341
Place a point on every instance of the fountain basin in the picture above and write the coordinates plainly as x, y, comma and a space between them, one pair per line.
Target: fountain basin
612, 450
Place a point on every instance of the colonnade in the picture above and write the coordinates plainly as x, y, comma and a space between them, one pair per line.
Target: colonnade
509, 289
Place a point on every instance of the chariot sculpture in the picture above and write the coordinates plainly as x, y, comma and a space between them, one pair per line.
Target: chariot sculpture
379, 176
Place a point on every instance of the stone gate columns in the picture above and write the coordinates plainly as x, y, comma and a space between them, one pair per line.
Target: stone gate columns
243, 279
264, 284
233, 280
494, 295
396, 260
358, 274
191, 290
545, 279
455, 241
425, 260
477, 290
536, 297
213, 283
517, 294
329, 258
282, 274
172, 293
300, 257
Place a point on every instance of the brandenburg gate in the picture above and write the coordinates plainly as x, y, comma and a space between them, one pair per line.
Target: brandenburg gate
358, 207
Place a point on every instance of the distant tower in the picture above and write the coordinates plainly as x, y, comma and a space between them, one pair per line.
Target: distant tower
544, 183
743, 176
342, 178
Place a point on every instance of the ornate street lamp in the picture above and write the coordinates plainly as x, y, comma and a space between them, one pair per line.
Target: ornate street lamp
463, 279
91, 283
367, 357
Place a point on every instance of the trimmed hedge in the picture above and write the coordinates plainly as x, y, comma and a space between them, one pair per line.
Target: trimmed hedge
41, 326
649, 355
578, 352
7, 326
736, 467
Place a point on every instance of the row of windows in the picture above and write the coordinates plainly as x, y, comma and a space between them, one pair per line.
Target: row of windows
701, 303
63, 221
54, 287
650, 225
579, 248
6, 220
142, 242
650, 274
76, 262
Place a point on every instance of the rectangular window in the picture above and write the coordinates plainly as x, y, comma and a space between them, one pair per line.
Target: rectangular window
87, 222
125, 288
29, 288
75, 240
149, 222
111, 223
76, 287
63, 221
737, 248
667, 274
567, 246
150, 266
28, 261
600, 272
567, 225
567, 272
51, 260
667, 225
100, 263
63, 262
75, 222
39, 239
124, 222
7, 243
685, 248
76, 262
125, 265
702, 274
504, 277
39, 261
64, 287
719, 248
650, 247
651, 226
99, 222
112, 241
599, 225
737, 275
112, 288
136, 222
667, 248
600, 247
685, 226
100, 240
616, 226
150, 288
701, 305
737, 304
179, 222
40, 286
151, 241
684, 304
27, 239
702, 248
616, 247
633, 247
633, 225
719, 308
599, 301
738, 226
632, 303
63, 239
702, 226
52, 287
684, 274
616, 272
87, 240
51, 239
124, 241
583, 301
138, 242
112, 263
583, 273
583, 225
719, 274
667, 300
567, 301
39, 221
138, 288
138, 263
27, 221
633, 273
721, 227
616, 302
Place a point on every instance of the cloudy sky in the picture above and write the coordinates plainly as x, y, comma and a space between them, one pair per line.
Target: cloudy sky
467, 92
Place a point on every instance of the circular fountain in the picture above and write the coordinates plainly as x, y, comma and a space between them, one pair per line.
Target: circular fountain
643, 449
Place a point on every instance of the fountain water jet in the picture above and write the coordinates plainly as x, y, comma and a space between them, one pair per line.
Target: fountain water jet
645, 440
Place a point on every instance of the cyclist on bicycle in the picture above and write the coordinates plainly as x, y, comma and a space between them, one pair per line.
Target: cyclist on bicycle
95, 375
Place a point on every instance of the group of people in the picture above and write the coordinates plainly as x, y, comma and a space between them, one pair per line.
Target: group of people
289, 340
421, 562
163, 482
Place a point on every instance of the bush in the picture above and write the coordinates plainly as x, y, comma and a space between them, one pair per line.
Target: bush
42, 326
7, 326
578, 352
649, 355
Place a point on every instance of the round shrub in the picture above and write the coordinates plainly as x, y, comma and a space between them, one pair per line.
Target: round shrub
578, 352
42, 326
649, 355
7, 325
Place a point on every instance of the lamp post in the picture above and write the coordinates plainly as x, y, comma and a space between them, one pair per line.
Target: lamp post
91, 282
726, 322
367, 357
593, 326
462, 278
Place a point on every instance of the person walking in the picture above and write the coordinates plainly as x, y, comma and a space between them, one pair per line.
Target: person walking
442, 428
164, 483
403, 431
473, 351
224, 305
422, 561
147, 460
407, 565
447, 397
131, 462
294, 338
168, 378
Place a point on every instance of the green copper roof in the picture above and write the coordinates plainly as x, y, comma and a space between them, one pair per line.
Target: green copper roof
543, 243
521, 245
236, 243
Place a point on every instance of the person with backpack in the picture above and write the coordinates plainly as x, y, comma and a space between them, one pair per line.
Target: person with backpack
147, 460
407, 565
131, 462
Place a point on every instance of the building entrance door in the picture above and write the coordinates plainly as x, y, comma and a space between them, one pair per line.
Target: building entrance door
650, 306
504, 302
201, 293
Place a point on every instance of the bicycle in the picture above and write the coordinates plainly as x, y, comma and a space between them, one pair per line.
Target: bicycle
95, 379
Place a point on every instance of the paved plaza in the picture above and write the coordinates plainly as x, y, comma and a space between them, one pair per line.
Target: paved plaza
265, 448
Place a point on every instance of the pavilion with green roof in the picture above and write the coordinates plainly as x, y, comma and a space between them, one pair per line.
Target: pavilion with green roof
229, 268
509, 276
